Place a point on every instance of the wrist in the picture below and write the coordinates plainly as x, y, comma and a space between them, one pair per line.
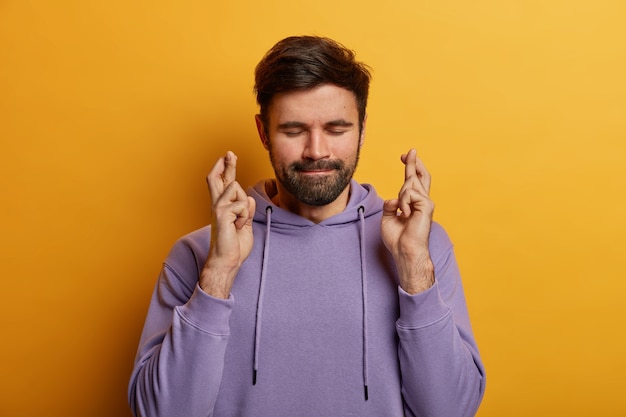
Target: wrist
416, 274
216, 280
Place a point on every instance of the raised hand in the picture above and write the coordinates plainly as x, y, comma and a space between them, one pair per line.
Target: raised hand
231, 228
406, 224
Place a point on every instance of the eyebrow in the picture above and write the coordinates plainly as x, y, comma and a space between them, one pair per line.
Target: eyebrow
291, 125
339, 123
301, 125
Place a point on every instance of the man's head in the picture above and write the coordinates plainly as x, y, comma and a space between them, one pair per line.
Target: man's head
313, 96
303, 62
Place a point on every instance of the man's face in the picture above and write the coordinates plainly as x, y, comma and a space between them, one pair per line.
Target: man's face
314, 142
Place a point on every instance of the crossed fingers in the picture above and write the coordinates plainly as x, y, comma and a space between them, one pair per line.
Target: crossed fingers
414, 168
227, 196
222, 175
416, 187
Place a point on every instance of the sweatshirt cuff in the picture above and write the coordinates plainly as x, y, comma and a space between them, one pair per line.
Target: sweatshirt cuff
421, 310
207, 313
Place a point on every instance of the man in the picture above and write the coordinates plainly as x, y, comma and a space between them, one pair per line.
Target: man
309, 295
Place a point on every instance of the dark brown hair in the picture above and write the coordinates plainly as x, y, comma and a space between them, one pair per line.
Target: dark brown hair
304, 62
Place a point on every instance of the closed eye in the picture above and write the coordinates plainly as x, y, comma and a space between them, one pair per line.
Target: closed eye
336, 132
292, 129
338, 127
293, 133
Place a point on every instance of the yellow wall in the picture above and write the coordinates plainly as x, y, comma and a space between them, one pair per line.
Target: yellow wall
111, 113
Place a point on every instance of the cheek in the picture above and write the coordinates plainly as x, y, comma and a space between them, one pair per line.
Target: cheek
288, 150
282, 154
347, 149
285, 155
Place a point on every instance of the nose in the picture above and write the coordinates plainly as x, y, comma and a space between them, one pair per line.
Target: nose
316, 146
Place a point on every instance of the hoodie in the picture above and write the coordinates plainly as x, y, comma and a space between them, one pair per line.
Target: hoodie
315, 325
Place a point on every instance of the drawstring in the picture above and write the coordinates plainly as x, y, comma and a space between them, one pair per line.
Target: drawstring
259, 306
364, 294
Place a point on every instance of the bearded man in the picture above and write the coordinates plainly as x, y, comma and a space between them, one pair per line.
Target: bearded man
308, 295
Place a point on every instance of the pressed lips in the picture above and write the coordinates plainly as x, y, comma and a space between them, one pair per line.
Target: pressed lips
316, 167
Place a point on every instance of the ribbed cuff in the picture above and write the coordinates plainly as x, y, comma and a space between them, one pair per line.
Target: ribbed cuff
422, 309
207, 313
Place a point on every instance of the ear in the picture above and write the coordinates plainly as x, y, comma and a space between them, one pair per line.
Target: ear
362, 137
260, 127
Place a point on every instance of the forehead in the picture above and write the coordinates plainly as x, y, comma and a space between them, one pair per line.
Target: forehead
320, 104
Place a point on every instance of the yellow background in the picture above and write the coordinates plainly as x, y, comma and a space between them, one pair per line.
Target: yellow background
112, 112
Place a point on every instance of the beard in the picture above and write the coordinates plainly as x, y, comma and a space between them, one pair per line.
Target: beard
314, 190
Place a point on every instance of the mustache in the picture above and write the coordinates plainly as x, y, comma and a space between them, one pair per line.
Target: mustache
316, 165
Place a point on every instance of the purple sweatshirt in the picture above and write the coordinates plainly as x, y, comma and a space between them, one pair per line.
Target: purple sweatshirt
316, 325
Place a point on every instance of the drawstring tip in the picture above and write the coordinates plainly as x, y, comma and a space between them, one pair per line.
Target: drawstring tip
366, 394
254, 377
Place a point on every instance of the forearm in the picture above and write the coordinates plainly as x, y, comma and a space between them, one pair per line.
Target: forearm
179, 373
441, 366
441, 371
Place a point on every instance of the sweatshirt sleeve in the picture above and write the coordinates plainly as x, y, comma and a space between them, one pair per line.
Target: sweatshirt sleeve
442, 373
179, 362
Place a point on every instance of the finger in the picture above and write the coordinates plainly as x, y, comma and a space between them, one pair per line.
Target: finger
415, 184
412, 185
222, 175
414, 167
423, 174
241, 200
230, 168
409, 163
233, 193
214, 180
241, 213
411, 200
390, 207
245, 218
233, 205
